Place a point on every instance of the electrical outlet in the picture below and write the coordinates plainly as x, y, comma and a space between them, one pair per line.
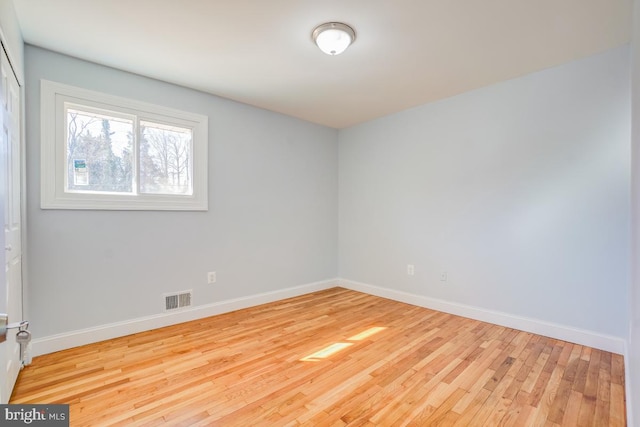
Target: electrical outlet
211, 277
410, 269
443, 276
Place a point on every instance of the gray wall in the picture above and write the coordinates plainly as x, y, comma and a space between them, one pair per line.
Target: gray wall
271, 224
519, 191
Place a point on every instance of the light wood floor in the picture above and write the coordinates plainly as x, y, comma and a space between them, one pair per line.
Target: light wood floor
331, 358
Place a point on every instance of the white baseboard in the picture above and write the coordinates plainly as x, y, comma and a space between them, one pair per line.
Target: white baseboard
52, 343
540, 327
80, 337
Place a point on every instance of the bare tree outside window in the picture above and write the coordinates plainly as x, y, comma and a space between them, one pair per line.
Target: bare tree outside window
99, 153
165, 159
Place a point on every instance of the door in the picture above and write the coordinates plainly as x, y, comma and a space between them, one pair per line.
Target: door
10, 193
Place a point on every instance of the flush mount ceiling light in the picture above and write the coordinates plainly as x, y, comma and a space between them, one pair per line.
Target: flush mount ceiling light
333, 38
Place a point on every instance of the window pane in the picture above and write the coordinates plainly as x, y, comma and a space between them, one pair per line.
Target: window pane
165, 159
99, 152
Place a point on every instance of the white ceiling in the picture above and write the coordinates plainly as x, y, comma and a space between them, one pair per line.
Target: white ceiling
260, 52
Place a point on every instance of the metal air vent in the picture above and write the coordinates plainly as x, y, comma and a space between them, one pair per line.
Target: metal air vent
177, 300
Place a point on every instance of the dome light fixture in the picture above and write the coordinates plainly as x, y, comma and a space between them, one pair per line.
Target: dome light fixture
333, 38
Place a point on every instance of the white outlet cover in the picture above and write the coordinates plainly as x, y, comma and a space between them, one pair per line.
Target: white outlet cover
211, 277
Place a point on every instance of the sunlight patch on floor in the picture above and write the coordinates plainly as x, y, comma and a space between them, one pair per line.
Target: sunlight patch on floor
326, 352
339, 346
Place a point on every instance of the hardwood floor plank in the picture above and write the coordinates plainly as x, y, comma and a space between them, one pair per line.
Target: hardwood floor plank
617, 412
548, 394
617, 369
500, 372
467, 417
439, 415
334, 357
559, 404
601, 416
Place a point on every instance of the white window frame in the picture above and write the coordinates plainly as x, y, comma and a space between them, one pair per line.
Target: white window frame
53, 169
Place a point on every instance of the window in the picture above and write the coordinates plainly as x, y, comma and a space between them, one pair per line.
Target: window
105, 152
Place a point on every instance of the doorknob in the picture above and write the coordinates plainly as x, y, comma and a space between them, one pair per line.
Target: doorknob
8, 248
4, 322
5, 326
